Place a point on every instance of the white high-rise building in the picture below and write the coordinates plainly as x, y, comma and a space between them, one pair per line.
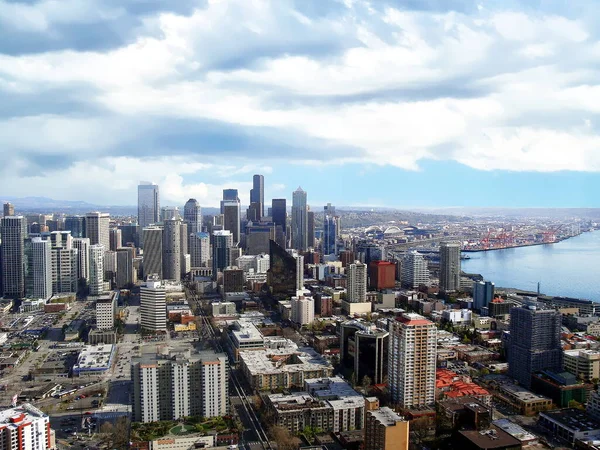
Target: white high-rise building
299, 220
148, 204
178, 383
96, 269
171, 244
64, 262
357, 282
449, 266
303, 309
41, 267
83, 257
106, 308
414, 270
96, 228
199, 248
25, 428
299, 271
153, 251
256, 263
412, 361
153, 305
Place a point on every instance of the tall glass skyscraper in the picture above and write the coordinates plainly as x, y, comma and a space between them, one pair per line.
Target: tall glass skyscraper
257, 194
148, 204
192, 215
299, 220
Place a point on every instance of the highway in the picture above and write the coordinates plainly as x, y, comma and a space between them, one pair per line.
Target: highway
254, 436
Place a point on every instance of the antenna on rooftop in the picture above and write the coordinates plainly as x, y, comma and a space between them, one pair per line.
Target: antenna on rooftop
538, 290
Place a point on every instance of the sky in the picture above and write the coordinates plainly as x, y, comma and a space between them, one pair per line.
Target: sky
393, 103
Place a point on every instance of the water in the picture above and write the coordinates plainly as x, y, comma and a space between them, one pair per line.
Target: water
570, 268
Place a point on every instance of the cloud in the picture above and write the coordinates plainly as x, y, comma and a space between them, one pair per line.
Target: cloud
494, 86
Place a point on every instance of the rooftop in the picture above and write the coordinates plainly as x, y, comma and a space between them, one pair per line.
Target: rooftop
573, 418
521, 393
515, 430
386, 416
287, 359
492, 438
24, 413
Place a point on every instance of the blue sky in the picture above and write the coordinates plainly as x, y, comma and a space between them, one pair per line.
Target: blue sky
383, 103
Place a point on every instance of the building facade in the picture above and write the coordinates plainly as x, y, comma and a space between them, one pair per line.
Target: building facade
96, 269
414, 270
449, 266
148, 204
171, 244
357, 283
13, 256
153, 306
299, 220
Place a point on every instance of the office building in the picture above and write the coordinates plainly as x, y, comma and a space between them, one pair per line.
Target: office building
25, 428
130, 234
192, 216
96, 228
148, 204
184, 254
232, 219
310, 229
286, 272
171, 244
279, 212
125, 276
414, 270
106, 309
382, 275
9, 209
253, 263
221, 254
412, 361
76, 225
116, 239
330, 233
82, 245
299, 220
386, 430
303, 309
534, 343
13, 256
449, 266
364, 349
356, 283
199, 248
96, 269
233, 279
178, 384
483, 293
153, 305
258, 237
169, 213
41, 266
110, 268
153, 251
370, 251
257, 196
64, 262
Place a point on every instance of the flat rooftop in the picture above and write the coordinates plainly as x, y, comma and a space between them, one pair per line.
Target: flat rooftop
287, 359
573, 418
386, 416
521, 393
94, 358
492, 438
515, 430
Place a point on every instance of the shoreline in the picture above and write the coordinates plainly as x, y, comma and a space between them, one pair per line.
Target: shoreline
533, 244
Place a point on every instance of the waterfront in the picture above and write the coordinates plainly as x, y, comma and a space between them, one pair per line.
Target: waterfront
568, 268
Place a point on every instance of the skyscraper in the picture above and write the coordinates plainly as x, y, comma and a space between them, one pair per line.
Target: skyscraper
199, 249
257, 194
329, 235
299, 220
184, 255
412, 361
83, 258
153, 306
483, 293
192, 216
148, 204
96, 228
153, 251
172, 250
13, 256
96, 269
76, 225
310, 229
357, 282
232, 218
116, 239
414, 270
221, 254
534, 341
449, 266
41, 266
279, 212
64, 262
9, 209
124, 275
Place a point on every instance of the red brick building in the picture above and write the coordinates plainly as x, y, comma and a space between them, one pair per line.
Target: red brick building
382, 275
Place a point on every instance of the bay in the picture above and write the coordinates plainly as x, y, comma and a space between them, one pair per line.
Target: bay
570, 268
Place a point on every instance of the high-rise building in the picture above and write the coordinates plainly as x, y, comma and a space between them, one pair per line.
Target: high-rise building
483, 293
370, 251
534, 343
116, 239
279, 212
169, 213
178, 383
199, 247
83, 258
192, 216
258, 237
232, 219
221, 253
299, 259
303, 309
449, 266
41, 266
257, 195
364, 349
171, 244
412, 361
153, 251
283, 276
329, 235
382, 275
130, 234
386, 430
153, 305
64, 262
125, 272
184, 254
9, 209
356, 286
96, 228
148, 204
76, 225
310, 229
25, 428
299, 220
96, 269
110, 267
414, 270
233, 279
13, 256
106, 309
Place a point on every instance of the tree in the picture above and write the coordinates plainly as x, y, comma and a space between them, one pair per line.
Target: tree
353, 379
284, 439
366, 382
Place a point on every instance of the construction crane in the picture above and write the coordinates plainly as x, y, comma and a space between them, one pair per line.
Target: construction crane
485, 242
549, 237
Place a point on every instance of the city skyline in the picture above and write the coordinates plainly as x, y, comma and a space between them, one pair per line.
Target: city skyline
445, 115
